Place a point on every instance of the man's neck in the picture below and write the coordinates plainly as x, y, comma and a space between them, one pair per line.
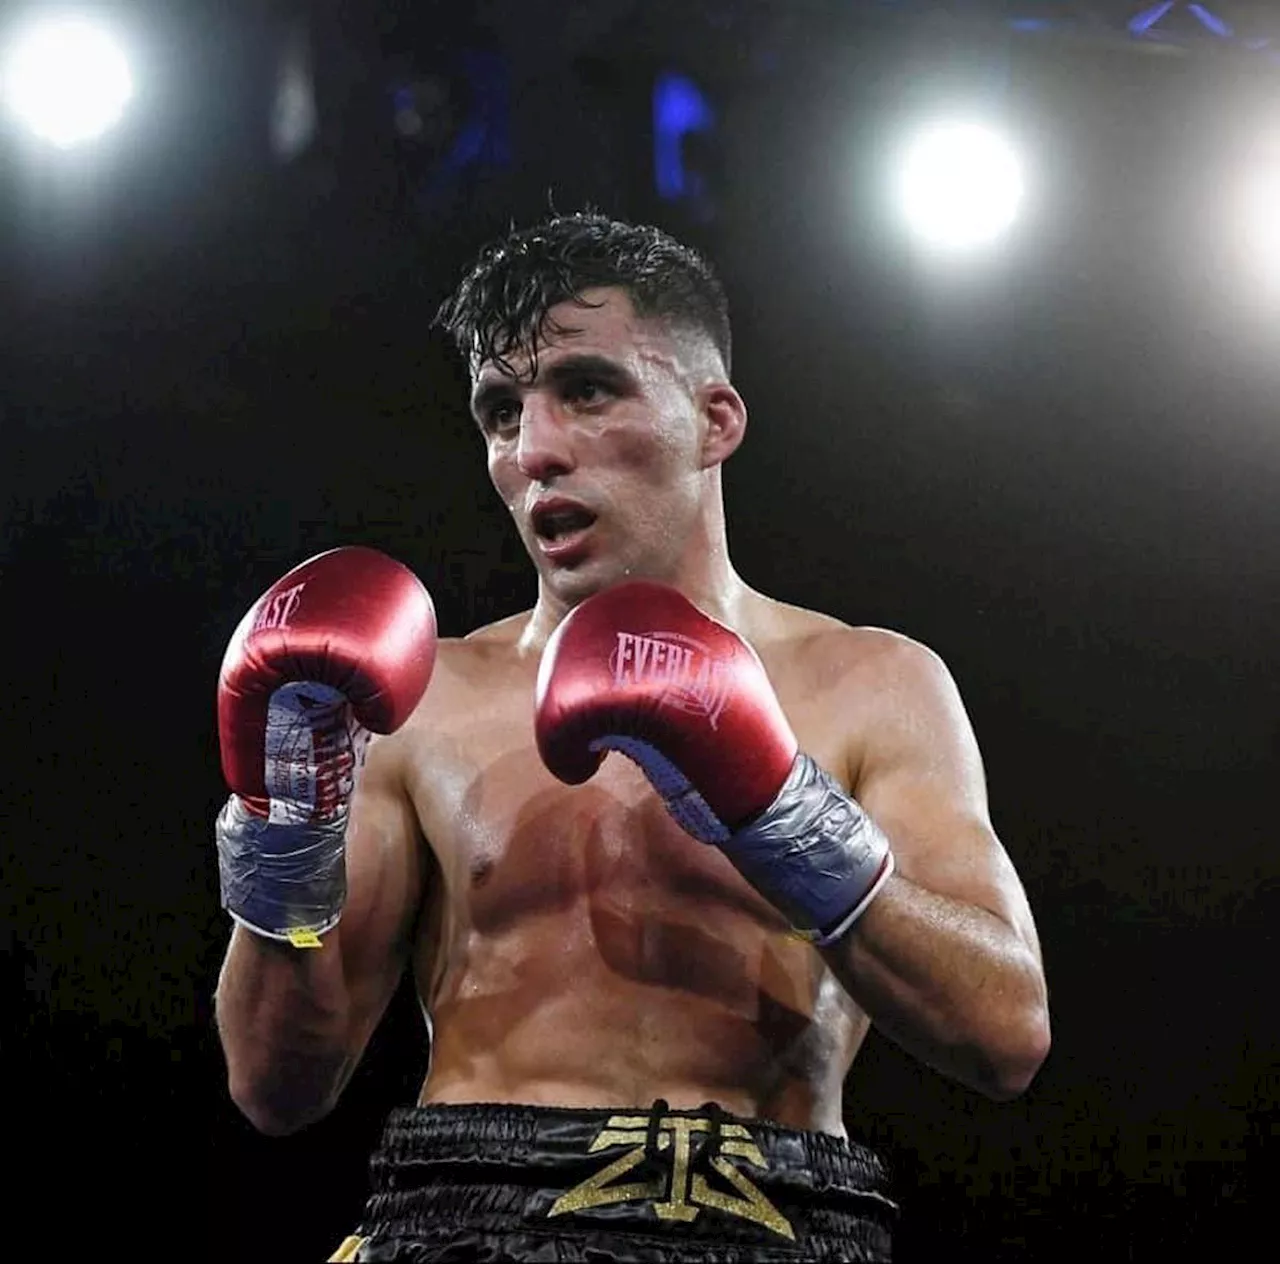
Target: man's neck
712, 585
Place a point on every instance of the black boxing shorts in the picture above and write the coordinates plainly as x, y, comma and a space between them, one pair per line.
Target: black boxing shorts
485, 1182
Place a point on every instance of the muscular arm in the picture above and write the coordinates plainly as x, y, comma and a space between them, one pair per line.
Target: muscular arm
945, 960
294, 1022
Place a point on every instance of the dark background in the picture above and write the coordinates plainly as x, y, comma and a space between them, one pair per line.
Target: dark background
1057, 467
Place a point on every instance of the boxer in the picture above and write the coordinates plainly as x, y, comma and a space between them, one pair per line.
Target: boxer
658, 851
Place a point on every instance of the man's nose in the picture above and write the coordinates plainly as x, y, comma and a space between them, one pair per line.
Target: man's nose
544, 449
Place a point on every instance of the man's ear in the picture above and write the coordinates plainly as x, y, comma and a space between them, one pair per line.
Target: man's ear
725, 415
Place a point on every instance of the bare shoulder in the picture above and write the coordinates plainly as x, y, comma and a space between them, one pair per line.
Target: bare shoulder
502, 632
838, 655
493, 648
893, 700
466, 660
467, 669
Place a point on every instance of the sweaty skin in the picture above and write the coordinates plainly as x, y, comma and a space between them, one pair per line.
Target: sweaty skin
584, 950
573, 945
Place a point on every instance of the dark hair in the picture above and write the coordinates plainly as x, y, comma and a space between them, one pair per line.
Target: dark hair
502, 304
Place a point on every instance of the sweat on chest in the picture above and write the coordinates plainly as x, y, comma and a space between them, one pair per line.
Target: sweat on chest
523, 843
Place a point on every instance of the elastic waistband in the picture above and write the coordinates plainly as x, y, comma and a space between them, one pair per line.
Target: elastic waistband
656, 1184
549, 1138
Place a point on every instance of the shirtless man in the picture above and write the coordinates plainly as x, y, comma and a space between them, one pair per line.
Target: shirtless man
646, 981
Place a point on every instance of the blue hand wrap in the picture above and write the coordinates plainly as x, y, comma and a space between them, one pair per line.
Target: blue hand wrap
285, 876
814, 853
282, 880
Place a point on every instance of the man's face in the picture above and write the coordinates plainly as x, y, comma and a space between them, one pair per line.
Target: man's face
599, 458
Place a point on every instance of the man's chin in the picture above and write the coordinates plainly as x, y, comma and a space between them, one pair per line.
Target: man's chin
574, 584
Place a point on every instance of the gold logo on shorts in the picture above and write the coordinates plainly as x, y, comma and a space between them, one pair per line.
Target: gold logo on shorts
351, 1245
686, 1193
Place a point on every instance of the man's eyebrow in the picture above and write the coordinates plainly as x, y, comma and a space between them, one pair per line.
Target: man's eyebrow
588, 364
492, 392
582, 364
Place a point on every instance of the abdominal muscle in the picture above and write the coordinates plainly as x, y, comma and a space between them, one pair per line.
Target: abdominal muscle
583, 1010
581, 950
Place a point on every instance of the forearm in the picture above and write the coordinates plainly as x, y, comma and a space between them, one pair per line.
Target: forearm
283, 1019
952, 984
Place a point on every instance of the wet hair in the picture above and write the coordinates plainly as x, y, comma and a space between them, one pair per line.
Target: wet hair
501, 308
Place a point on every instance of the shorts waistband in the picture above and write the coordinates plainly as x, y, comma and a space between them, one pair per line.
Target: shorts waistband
653, 1183
548, 1137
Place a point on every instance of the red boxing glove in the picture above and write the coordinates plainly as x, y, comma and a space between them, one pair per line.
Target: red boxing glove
639, 669
342, 645
351, 619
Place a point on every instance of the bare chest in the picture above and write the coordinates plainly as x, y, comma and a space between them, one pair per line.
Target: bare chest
514, 843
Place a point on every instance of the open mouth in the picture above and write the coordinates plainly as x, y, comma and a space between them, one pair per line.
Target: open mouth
558, 524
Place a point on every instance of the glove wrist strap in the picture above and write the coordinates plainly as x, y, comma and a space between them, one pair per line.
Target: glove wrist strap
815, 853
283, 881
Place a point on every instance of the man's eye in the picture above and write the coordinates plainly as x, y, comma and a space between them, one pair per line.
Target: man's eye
585, 391
503, 416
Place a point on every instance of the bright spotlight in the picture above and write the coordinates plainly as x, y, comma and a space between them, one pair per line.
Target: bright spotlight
960, 185
1262, 220
67, 80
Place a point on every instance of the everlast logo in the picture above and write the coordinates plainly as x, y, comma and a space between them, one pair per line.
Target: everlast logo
693, 679
277, 612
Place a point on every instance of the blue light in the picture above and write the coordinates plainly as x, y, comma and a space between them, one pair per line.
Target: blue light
1210, 21
678, 109
1149, 17
482, 141
1031, 24
485, 136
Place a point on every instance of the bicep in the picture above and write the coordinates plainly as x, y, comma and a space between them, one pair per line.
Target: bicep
921, 778
387, 874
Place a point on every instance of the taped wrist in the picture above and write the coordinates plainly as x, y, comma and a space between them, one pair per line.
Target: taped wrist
814, 853
284, 881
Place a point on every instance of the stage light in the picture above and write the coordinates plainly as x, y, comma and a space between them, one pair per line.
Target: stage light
1261, 205
679, 111
66, 79
295, 117
960, 185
